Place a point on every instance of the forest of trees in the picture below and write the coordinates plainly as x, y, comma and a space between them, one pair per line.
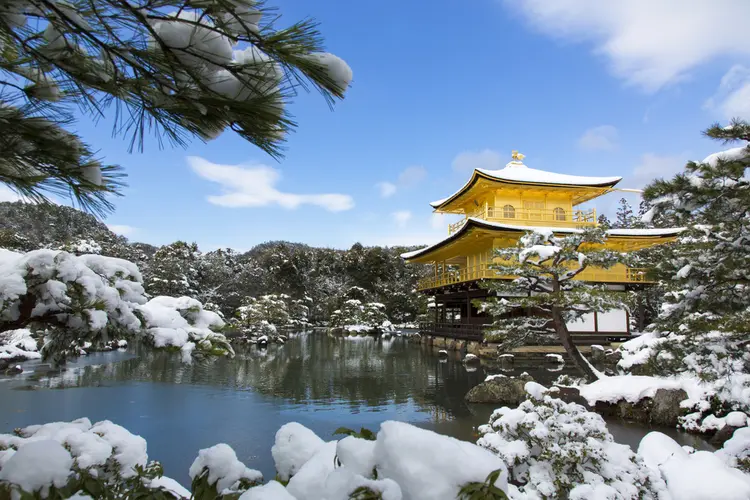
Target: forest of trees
223, 278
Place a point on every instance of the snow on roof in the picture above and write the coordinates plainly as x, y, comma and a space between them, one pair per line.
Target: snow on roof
518, 172
568, 230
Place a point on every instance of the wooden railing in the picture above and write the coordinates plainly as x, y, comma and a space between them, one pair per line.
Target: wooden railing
483, 271
465, 331
531, 217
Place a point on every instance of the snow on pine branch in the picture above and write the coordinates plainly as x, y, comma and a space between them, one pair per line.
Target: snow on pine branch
70, 300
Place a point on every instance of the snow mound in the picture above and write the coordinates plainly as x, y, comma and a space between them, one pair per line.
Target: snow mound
295, 444
424, 464
692, 476
37, 466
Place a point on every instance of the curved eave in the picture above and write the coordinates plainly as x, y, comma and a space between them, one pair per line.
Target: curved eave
614, 234
477, 174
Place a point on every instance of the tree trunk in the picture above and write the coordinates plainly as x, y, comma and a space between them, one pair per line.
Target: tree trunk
567, 341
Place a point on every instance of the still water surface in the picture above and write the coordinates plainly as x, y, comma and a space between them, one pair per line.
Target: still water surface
320, 381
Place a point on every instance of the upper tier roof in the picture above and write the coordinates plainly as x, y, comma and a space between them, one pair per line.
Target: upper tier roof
515, 172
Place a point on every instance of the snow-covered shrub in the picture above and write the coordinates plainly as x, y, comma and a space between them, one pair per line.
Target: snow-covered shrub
61, 459
263, 316
736, 450
73, 298
217, 471
402, 462
720, 361
181, 322
355, 316
555, 449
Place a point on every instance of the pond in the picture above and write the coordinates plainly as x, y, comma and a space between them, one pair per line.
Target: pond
320, 381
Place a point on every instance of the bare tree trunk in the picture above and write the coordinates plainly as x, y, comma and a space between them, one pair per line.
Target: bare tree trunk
567, 341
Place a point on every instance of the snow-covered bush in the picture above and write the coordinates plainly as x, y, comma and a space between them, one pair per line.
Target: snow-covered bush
736, 450
181, 322
73, 298
61, 459
555, 449
719, 361
64, 459
357, 317
265, 315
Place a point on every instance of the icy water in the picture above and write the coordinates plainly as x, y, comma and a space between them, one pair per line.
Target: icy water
320, 381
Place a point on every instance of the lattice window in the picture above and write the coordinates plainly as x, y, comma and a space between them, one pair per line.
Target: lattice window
559, 213
509, 212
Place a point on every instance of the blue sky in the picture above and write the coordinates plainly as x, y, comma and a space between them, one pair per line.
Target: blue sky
578, 87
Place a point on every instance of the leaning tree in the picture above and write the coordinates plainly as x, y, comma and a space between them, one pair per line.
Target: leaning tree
543, 295
175, 68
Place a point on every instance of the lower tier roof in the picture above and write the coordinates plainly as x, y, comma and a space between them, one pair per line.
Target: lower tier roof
472, 222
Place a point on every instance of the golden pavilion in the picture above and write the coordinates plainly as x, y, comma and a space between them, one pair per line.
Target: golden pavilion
497, 208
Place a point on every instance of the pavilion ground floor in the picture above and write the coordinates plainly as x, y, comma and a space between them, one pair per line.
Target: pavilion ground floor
454, 315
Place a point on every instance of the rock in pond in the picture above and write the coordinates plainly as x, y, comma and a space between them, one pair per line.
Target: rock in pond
665, 408
500, 390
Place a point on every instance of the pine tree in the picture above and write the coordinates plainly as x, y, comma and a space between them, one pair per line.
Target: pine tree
624, 217
604, 222
175, 271
545, 296
710, 271
177, 68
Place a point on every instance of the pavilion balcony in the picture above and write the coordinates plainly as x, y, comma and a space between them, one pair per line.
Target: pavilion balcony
556, 217
474, 273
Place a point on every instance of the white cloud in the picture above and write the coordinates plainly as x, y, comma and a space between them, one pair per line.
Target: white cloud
732, 98
401, 217
7, 194
648, 43
255, 186
602, 138
410, 176
122, 229
486, 159
387, 189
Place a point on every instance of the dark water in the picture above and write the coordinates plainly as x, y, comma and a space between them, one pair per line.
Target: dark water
322, 382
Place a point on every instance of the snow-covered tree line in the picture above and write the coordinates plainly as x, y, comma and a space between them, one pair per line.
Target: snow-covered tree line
224, 279
180, 69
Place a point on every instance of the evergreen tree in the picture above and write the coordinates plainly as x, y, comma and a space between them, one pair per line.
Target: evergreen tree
624, 217
710, 271
604, 222
175, 271
545, 296
176, 67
